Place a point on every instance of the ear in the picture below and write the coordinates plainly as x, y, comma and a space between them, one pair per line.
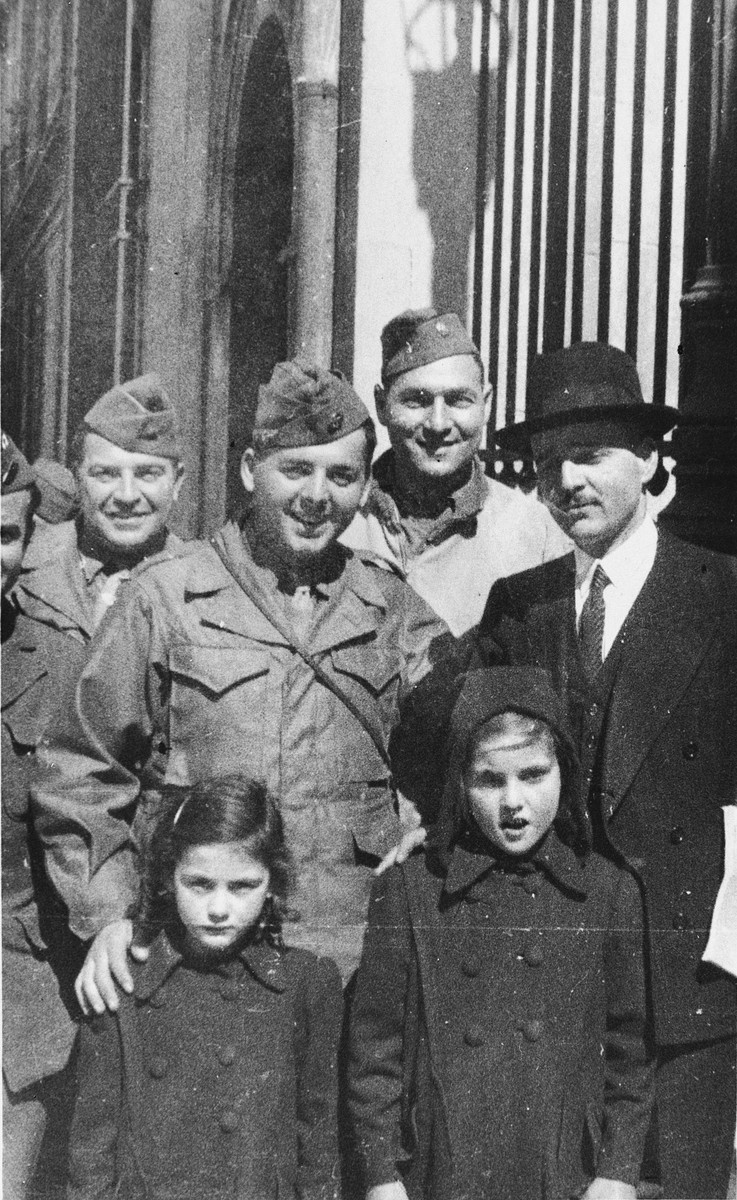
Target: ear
648, 455
248, 460
380, 399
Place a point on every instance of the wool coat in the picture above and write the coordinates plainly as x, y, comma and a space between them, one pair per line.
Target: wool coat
39, 669
486, 531
497, 1032
656, 736
212, 1082
187, 678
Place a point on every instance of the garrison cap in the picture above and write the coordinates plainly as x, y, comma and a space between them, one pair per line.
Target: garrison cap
17, 473
137, 416
58, 489
419, 336
305, 405
589, 383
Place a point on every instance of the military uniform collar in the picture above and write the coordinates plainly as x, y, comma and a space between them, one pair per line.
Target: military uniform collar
471, 860
263, 962
462, 505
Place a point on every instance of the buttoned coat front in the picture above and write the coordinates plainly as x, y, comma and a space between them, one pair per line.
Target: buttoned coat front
212, 1083
188, 678
497, 1033
659, 749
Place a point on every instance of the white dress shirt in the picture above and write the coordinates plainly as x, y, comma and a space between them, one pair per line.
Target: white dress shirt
626, 567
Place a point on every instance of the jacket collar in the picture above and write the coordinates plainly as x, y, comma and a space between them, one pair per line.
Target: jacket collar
263, 962
463, 504
471, 860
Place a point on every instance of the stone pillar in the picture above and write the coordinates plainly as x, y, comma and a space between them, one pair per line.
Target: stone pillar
315, 162
704, 510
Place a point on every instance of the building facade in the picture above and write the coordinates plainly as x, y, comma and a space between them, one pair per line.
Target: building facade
204, 188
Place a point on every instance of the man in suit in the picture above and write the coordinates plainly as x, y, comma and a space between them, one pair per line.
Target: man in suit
639, 631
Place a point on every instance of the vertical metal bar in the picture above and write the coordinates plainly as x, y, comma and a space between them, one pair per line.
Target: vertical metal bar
607, 174
499, 150
666, 203
582, 159
536, 222
124, 184
482, 150
516, 246
559, 170
638, 138
62, 416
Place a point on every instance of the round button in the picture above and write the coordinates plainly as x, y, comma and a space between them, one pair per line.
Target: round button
226, 1054
677, 835
532, 1031
471, 968
593, 710
228, 1121
158, 1067
158, 1000
229, 990
690, 750
533, 956
474, 1036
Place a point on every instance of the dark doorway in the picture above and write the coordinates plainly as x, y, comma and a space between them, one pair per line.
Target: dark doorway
262, 222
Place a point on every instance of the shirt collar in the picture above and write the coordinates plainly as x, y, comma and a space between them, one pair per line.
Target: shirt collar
262, 961
466, 502
629, 561
471, 860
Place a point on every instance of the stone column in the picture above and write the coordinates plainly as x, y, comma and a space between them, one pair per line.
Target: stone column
315, 161
704, 510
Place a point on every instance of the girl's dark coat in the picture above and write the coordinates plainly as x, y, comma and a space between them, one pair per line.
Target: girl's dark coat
497, 1034
217, 1083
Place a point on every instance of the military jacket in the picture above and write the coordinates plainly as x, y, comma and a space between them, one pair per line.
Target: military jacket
188, 678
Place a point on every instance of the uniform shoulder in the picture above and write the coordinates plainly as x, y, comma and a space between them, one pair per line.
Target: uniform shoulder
382, 569
176, 559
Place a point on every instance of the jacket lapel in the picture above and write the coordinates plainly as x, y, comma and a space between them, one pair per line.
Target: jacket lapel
662, 643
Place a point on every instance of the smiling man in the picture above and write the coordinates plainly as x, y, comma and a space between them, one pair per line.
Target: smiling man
273, 650
126, 457
639, 631
432, 510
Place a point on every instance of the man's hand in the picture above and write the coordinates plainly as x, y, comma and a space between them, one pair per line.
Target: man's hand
105, 965
387, 1191
399, 854
609, 1189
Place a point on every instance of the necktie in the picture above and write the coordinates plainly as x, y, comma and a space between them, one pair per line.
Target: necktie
591, 626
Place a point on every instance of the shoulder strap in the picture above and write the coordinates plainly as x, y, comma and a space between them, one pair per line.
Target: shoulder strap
247, 585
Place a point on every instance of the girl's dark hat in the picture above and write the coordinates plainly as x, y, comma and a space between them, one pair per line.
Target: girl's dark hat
585, 383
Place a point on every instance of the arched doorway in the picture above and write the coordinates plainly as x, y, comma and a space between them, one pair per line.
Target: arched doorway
261, 228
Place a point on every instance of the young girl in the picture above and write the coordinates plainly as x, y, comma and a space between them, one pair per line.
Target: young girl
217, 1077
497, 1034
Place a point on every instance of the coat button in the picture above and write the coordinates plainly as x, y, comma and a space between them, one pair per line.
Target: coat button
532, 1031
228, 1121
533, 956
682, 921
471, 968
474, 1036
690, 750
229, 990
677, 835
593, 710
158, 1067
226, 1054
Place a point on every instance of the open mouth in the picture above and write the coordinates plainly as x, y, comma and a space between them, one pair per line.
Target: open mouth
515, 825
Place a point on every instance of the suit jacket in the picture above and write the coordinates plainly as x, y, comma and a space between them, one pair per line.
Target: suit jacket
657, 740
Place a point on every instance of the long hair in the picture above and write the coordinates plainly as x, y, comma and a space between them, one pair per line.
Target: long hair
226, 808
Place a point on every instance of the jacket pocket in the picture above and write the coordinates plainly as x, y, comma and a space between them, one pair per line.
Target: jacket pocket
366, 664
216, 669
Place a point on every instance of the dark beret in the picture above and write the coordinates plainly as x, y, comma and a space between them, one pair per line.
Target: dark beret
137, 416
305, 405
17, 473
419, 336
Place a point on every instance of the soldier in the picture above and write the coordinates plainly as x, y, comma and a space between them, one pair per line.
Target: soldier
432, 510
38, 1030
272, 650
126, 457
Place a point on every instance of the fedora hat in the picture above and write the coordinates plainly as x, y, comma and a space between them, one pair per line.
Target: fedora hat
587, 383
